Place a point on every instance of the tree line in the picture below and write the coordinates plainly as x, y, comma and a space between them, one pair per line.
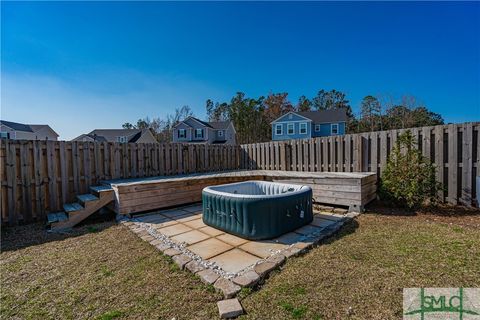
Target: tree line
252, 116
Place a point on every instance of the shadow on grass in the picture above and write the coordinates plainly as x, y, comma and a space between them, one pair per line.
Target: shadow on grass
345, 230
19, 237
443, 210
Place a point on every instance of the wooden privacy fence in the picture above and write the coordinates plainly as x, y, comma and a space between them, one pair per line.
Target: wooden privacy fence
38, 177
454, 148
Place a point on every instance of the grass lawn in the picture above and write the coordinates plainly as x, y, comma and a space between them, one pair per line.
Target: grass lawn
104, 271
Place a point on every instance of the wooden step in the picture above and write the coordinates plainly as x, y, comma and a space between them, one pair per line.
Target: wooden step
72, 207
56, 217
75, 212
87, 199
102, 190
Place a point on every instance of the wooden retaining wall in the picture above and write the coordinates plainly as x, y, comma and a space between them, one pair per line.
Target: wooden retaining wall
38, 177
455, 150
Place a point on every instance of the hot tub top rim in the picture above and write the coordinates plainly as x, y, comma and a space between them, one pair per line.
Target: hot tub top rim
301, 189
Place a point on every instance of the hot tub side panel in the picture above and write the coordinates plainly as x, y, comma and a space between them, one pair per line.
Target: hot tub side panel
257, 219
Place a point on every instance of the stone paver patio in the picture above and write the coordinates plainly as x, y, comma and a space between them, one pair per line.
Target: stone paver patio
225, 260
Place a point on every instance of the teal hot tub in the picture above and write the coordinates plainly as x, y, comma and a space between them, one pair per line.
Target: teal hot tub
257, 210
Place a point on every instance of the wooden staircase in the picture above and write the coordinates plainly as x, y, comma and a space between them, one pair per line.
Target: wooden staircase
76, 212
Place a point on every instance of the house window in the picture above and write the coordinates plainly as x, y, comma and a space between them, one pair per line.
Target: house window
303, 128
278, 129
290, 128
182, 133
122, 139
317, 128
220, 133
4, 135
198, 133
334, 128
290, 116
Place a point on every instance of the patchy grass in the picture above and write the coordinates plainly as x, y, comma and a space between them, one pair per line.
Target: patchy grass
361, 272
103, 271
108, 274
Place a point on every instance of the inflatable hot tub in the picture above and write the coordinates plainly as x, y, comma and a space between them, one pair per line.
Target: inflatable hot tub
257, 210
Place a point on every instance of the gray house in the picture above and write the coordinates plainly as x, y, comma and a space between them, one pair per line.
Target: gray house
20, 131
118, 135
193, 130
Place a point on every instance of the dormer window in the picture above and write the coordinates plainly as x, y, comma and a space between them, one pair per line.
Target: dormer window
220, 133
122, 139
182, 133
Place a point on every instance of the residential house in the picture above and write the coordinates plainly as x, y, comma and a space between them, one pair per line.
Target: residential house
118, 135
20, 131
193, 130
309, 124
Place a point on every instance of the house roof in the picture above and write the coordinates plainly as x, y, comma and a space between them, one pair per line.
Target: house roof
331, 115
26, 127
138, 135
217, 125
105, 135
220, 125
17, 126
114, 132
37, 127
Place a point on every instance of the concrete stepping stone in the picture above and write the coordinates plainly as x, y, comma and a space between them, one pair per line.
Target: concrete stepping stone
265, 267
147, 238
248, 279
209, 248
190, 237
211, 231
234, 260
308, 229
262, 249
173, 213
232, 240
174, 230
195, 224
230, 308
330, 217
290, 238
196, 208
165, 223
181, 260
227, 287
291, 252
171, 252
208, 276
321, 222
162, 247
194, 267
187, 217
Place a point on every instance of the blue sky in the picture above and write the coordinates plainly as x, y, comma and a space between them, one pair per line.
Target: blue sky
79, 66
